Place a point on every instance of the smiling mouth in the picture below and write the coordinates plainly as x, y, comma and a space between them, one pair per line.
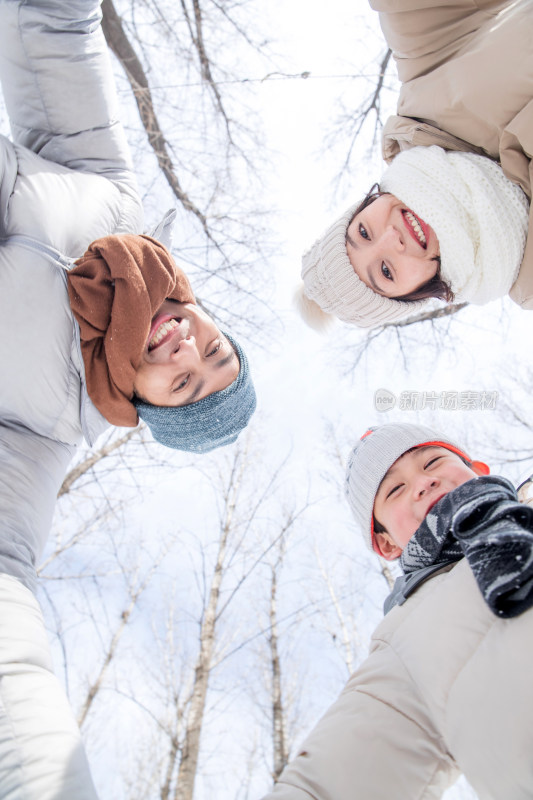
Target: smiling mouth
162, 331
434, 503
415, 226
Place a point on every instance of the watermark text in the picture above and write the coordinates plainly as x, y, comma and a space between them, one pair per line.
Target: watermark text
411, 400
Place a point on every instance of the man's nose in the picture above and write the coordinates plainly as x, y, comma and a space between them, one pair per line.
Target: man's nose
187, 347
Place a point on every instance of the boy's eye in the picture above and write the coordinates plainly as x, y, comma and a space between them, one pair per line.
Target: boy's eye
363, 231
432, 461
393, 490
385, 271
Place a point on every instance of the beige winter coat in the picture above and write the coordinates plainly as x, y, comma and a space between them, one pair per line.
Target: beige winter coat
446, 688
466, 68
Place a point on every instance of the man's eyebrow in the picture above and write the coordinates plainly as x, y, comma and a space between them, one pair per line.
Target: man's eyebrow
200, 385
226, 360
192, 397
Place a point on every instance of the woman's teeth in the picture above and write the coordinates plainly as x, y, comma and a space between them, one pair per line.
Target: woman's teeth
161, 332
415, 225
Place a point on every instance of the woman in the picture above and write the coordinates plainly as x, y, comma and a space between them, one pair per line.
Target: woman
450, 218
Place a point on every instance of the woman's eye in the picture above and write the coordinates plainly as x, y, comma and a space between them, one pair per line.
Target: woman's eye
363, 231
182, 384
385, 271
215, 349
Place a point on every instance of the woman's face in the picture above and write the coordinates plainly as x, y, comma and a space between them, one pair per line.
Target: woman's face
391, 250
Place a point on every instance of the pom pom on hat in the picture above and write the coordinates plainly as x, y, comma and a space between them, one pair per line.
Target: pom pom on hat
310, 311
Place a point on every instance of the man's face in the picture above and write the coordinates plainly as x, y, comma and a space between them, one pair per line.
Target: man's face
185, 358
410, 489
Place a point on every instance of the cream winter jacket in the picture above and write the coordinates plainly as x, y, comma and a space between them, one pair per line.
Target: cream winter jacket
446, 689
455, 93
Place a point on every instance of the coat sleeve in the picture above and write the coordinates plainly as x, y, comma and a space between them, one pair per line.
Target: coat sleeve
60, 93
375, 742
425, 33
32, 469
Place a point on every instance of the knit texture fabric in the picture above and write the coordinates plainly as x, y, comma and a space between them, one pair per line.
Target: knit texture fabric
115, 289
372, 457
212, 422
329, 279
483, 521
480, 219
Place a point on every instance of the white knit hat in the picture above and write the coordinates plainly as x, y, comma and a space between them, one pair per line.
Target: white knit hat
480, 219
373, 456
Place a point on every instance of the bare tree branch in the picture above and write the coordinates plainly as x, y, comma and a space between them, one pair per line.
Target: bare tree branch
436, 313
84, 466
372, 105
97, 683
120, 45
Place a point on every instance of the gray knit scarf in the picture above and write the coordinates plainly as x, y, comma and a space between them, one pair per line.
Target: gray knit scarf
483, 521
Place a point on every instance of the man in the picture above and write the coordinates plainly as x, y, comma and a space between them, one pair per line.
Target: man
85, 343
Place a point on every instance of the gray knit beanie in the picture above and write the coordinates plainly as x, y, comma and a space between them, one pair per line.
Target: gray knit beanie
212, 422
372, 457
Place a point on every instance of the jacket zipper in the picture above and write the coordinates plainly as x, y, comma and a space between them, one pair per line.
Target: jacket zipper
42, 249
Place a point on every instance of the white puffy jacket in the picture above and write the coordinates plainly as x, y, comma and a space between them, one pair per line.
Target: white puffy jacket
446, 689
65, 180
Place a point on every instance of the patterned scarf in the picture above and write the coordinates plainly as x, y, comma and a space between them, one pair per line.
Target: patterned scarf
482, 521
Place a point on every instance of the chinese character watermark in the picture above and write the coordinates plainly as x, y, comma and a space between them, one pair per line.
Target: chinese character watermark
411, 400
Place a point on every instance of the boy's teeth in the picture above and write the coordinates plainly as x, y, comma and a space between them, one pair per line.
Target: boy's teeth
161, 332
415, 225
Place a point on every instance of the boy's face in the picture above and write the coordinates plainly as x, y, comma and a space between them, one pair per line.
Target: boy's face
185, 358
411, 487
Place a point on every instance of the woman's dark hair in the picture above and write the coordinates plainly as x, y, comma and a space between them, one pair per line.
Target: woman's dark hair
435, 287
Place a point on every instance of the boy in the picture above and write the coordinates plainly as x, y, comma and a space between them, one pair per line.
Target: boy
446, 687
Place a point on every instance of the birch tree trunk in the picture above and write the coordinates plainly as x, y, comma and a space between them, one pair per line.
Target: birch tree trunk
195, 715
279, 737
